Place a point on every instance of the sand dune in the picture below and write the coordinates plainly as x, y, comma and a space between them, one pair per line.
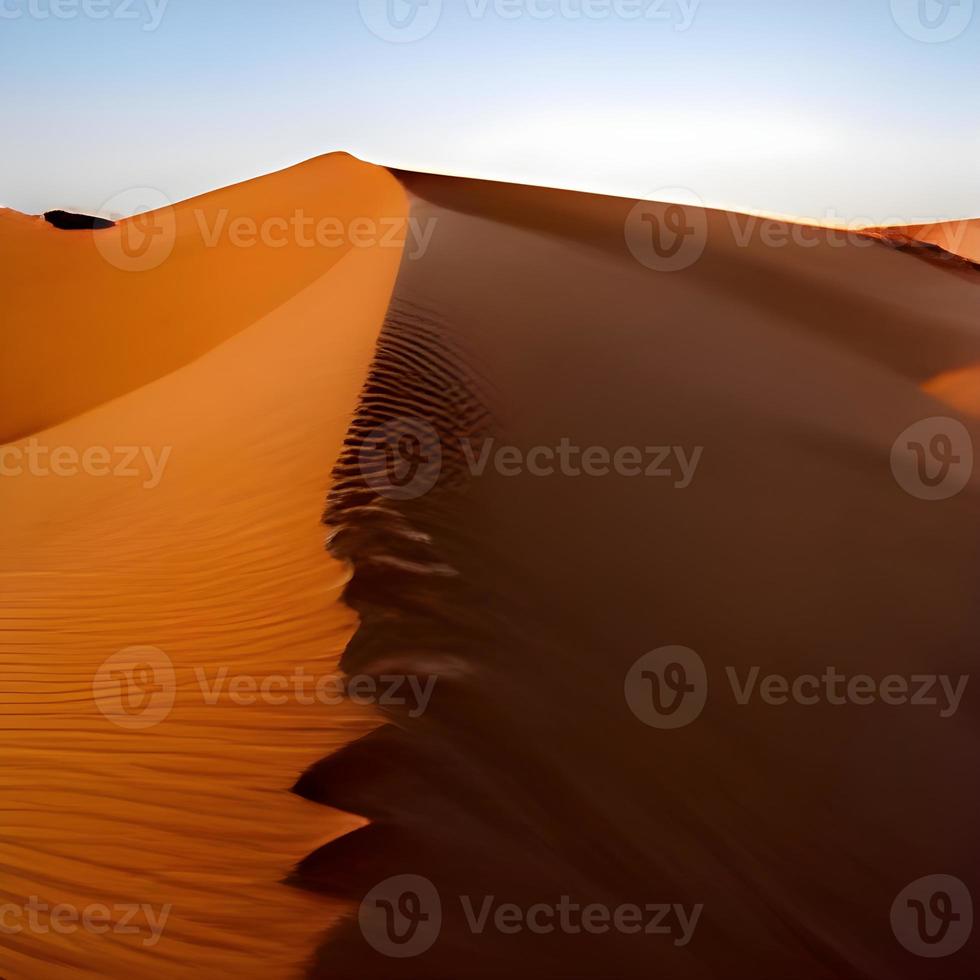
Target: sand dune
220, 564
778, 378
792, 371
961, 238
89, 316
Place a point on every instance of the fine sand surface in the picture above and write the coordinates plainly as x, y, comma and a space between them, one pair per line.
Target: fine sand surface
794, 369
90, 315
791, 370
219, 565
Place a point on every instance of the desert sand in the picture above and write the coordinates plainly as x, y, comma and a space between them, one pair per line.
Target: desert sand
84, 324
960, 238
220, 564
790, 371
794, 370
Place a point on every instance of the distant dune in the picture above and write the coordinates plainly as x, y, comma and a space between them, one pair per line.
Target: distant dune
764, 384
71, 221
961, 238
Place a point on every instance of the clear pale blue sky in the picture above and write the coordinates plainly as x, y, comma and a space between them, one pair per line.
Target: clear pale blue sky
825, 108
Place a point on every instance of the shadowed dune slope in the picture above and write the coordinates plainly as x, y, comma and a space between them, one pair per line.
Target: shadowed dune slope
789, 373
78, 326
219, 565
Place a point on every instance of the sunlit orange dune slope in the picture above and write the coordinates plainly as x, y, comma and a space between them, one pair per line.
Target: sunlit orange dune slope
959, 388
961, 238
207, 547
90, 315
